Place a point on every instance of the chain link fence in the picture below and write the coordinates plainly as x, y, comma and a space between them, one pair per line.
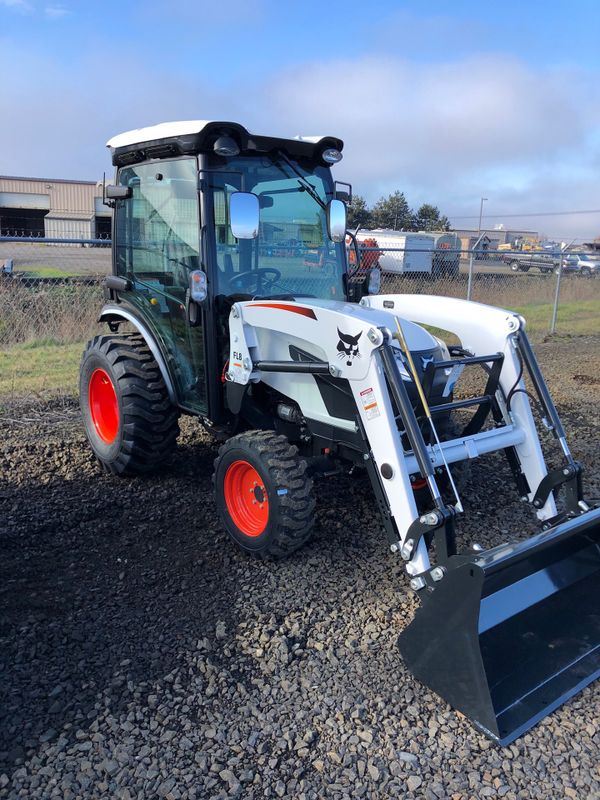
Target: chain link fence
51, 293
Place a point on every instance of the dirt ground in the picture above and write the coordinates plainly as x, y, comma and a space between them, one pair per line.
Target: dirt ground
143, 656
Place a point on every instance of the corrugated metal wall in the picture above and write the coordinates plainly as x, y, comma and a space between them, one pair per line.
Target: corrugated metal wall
69, 228
74, 197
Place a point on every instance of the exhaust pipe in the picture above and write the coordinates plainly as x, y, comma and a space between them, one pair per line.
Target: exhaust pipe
510, 634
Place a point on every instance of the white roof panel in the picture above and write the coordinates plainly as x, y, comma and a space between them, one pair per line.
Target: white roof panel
162, 131
165, 130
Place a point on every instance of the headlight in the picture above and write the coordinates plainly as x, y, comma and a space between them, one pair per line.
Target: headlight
331, 155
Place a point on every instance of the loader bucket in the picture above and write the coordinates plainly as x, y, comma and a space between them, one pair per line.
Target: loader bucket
510, 634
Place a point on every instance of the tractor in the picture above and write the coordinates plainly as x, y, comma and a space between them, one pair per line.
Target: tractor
212, 311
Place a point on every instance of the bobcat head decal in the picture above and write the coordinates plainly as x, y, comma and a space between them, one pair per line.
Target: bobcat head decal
348, 347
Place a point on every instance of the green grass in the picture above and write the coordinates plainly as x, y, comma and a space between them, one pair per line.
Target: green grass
44, 272
576, 318
41, 367
46, 367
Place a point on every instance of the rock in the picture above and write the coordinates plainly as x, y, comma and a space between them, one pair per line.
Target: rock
165, 787
110, 766
413, 782
408, 758
220, 630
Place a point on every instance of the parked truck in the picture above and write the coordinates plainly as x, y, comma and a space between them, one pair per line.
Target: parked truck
544, 260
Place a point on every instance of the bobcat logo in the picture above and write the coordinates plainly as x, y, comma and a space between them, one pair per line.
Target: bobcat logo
426, 361
348, 347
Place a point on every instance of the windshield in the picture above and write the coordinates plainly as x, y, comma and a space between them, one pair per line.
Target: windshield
292, 254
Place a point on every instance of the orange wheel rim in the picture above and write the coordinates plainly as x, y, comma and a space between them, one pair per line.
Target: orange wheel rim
104, 407
246, 498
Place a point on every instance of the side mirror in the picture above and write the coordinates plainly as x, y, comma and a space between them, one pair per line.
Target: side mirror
343, 191
198, 287
118, 192
266, 201
244, 215
336, 220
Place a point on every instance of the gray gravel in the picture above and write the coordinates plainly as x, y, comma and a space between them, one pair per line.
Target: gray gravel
143, 656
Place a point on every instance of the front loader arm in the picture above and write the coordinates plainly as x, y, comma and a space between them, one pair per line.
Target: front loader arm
484, 330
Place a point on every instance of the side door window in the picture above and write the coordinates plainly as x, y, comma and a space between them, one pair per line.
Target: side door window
157, 246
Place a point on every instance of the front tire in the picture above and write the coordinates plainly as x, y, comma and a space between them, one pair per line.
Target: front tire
264, 496
129, 420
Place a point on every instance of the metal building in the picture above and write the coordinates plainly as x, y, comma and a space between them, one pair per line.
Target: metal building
54, 208
492, 237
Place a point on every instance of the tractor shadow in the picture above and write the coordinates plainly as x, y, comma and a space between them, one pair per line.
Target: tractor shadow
105, 585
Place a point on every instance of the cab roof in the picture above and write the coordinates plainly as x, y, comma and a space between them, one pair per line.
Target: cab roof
169, 139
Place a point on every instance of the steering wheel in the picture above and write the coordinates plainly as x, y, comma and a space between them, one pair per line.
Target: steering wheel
257, 276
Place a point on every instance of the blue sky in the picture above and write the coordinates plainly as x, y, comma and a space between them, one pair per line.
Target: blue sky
448, 102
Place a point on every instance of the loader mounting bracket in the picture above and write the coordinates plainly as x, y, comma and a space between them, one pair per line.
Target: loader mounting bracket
435, 526
570, 476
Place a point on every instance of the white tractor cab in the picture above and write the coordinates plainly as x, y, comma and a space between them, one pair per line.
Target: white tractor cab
302, 371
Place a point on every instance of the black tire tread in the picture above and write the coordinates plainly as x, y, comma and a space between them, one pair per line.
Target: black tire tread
287, 471
150, 423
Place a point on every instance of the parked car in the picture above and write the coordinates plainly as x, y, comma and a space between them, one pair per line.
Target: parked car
585, 264
524, 261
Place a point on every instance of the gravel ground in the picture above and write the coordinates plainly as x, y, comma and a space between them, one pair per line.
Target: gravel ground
143, 656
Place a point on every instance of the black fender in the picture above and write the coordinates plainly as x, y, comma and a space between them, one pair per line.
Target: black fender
116, 313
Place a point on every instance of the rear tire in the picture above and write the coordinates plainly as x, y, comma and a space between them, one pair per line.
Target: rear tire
264, 496
129, 420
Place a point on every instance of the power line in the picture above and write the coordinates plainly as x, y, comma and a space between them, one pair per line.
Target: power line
529, 214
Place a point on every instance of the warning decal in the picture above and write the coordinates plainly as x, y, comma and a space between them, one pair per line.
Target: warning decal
369, 403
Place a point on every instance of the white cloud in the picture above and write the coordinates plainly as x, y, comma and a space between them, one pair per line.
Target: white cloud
17, 5
450, 133
55, 12
522, 136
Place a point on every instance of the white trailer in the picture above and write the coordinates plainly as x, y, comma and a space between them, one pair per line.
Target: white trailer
403, 251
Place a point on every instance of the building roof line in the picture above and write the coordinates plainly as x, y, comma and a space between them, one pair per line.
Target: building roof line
45, 180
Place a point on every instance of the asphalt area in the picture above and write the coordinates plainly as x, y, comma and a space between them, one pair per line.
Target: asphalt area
143, 656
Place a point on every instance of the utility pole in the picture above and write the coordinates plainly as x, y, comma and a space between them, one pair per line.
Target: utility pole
483, 200
470, 281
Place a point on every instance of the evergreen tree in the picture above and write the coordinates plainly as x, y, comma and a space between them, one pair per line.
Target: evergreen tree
428, 218
393, 213
358, 213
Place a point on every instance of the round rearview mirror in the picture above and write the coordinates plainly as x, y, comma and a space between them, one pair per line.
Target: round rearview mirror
336, 220
244, 215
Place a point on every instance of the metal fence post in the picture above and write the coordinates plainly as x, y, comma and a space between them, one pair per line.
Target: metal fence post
470, 280
557, 293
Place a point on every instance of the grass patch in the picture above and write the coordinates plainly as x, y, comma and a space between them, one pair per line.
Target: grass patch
576, 318
44, 272
47, 368
40, 367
